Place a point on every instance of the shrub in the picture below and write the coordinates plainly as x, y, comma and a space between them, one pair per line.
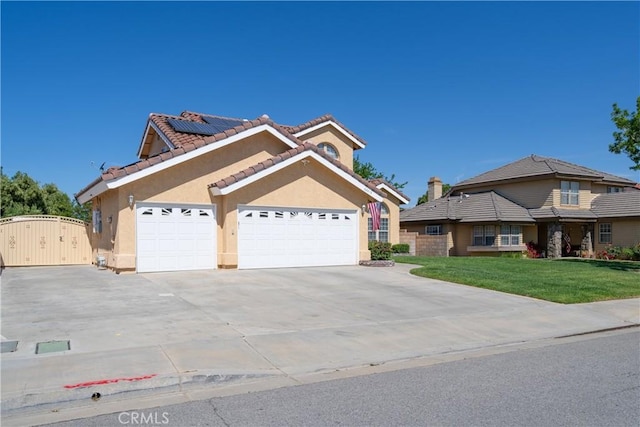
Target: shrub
512, 254
400, 248
380, 250
626, 254
533, 250
618, 252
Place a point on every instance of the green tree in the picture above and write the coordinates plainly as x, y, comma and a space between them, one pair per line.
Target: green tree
368, 172
56, 202
82, 212
22, 195
425, 197
627, 138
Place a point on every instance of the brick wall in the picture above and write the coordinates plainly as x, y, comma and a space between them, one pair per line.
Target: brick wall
424, 245
409, 237
431, 245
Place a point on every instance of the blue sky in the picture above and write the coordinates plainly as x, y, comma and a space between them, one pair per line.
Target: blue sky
451, 89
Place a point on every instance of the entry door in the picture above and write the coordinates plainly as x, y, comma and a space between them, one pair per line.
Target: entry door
175, 237
271, 237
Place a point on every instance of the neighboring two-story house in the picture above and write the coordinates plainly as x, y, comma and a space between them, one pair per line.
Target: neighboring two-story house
216, 192
562, 208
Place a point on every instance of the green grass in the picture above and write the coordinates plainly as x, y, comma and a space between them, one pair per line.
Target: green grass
566, 281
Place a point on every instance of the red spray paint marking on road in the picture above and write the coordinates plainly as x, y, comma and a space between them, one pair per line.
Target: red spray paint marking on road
110, 381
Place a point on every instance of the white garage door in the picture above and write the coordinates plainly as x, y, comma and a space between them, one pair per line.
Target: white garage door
175, 237
293, 237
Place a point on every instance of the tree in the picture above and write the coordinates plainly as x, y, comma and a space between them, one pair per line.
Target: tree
627, 139
425, 197
56, 202
22, 195
81, 212
368, 172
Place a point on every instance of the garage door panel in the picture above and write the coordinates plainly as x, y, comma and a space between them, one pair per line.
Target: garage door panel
289, 237
174, 237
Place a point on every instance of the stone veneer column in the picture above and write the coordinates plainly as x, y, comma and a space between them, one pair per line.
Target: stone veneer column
554, 245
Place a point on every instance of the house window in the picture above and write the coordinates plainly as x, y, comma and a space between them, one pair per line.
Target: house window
605, 232
433, 230
614, 189
484, 235
569, 191
381, 235
329, 149
510, 235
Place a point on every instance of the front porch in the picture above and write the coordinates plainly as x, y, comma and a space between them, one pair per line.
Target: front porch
566, 239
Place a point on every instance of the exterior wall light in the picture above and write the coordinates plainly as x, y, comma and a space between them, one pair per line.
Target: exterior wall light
131, 201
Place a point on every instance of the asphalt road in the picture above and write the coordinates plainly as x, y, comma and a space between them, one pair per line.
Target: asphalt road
592, 382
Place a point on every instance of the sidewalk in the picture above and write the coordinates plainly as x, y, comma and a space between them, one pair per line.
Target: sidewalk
245, 330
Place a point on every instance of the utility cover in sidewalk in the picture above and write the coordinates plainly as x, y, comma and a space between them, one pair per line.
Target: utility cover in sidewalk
52, 346
8, 346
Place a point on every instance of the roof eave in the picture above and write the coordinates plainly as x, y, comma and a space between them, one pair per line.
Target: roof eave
339, 128
119, 181
96, 188
393, 192
217, 191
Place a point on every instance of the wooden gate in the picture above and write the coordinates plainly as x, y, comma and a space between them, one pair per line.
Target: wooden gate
44, 240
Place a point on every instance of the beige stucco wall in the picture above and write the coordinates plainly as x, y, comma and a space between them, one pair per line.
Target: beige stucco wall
544, 193
530, 234
337, 139
297, 185
393, 204
529, 194
625, 233
186, 182
157, 144
462, 238
103, 244
584, 196
413, 227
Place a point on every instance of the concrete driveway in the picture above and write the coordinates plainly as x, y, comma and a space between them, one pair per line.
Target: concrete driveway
180, 331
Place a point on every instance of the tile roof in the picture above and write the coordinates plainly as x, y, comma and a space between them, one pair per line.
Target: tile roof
188, 146
177, 138
477, 207
562, 213
186, 142
612, 205
537, 166
183, 142
266, 164
319, 120
378, 181
491, 207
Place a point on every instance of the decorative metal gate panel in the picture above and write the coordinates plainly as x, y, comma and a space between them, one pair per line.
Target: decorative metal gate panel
43, 240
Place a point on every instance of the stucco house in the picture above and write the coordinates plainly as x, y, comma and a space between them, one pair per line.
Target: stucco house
562, 208
216, 192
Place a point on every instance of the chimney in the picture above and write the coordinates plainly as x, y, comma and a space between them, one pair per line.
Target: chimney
434, 188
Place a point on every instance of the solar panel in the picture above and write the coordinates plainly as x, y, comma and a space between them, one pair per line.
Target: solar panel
221, 124
192, 127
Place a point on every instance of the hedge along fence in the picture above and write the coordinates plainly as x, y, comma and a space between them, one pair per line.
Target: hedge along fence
400, 248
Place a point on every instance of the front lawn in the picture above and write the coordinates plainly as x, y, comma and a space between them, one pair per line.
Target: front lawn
565, 281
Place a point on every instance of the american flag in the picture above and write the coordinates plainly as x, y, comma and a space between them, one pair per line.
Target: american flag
567, 241
374, 210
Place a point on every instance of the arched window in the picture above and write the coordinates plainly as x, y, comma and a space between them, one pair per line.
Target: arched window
381, 235
329, 149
